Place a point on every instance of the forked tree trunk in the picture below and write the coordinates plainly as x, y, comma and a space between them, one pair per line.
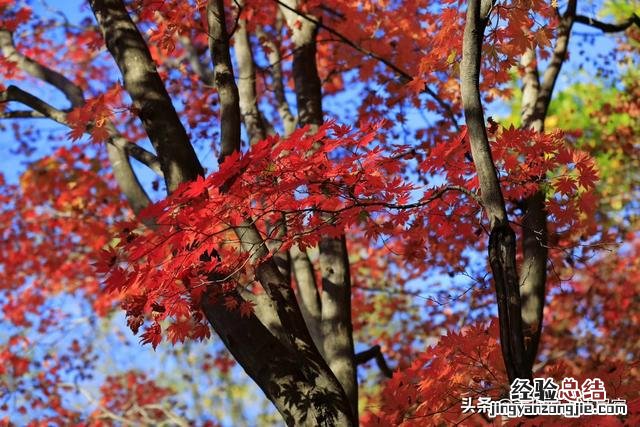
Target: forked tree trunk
286, 366
502, 239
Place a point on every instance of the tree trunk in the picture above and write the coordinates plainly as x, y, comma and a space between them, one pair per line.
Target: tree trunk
502, 240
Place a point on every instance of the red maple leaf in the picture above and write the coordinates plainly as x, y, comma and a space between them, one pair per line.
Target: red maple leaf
152, 335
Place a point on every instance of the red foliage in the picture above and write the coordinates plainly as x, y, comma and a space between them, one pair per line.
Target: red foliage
411, 210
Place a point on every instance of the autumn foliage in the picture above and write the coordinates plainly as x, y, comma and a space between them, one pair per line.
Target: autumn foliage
375, 172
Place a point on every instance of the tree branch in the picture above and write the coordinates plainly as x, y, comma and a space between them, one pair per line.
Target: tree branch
533, 271
22, 114
300, 265
294, 362
230, 122
43, 109
254, 121
470, 77
404, 76
530, 85
39, 71
15, 94
119, 148
224, 80
536, 98
272, 51
607, 27
374, 353
336, 326
557, 59
307, 294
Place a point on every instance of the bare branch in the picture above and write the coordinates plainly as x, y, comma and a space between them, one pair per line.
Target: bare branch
15, 94
126, 178
254, 121
557, 59
608, 27
272, 48
374, 352
39, 71
43, 109
22, 114
119, 148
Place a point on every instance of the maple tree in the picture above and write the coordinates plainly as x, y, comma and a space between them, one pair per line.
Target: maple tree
356, 172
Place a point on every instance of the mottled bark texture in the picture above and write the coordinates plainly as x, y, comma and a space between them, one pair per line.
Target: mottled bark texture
294, 376
306, 388
224, 81
335, 298
150, 98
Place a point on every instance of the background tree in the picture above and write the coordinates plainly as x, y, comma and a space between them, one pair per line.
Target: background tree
310, 247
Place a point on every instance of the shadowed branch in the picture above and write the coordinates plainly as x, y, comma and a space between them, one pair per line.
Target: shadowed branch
374, 352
